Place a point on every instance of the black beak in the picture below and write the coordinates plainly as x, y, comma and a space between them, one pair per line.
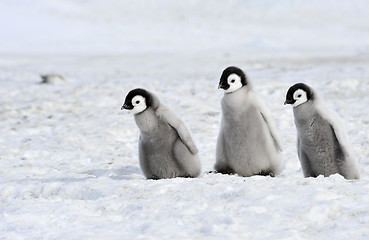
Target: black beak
125, 106
223, 86
289, 101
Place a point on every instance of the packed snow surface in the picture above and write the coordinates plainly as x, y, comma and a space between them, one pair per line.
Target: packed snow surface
69, 156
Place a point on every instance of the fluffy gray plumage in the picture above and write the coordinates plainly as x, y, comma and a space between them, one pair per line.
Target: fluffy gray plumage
247, 142
321, 142
166, 149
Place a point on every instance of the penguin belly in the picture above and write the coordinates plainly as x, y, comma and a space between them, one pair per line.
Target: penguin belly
323, 153
248, 144
156, 155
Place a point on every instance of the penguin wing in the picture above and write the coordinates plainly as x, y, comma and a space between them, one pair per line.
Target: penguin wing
304, 160
168, 116
333, 120
268, 120
340, 134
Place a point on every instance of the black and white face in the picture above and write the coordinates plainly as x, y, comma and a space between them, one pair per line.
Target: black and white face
300, 97
136, 101
234, 82
232, 79
298, 94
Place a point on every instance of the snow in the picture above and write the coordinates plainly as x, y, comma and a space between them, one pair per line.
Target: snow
68, 154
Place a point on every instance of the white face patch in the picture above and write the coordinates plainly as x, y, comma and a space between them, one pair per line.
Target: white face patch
234, 82
300, 96
139, 104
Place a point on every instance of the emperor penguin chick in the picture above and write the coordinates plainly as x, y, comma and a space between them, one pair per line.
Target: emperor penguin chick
247, 143
321, 141
166, 149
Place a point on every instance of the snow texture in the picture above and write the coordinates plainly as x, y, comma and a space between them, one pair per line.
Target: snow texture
69, 157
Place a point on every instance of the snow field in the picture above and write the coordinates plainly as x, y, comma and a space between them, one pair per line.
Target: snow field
70, 162
69, 157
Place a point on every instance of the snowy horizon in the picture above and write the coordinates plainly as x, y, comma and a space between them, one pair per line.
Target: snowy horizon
261, 28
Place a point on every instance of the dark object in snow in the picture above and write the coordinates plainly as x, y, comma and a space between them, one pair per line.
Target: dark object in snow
52, 79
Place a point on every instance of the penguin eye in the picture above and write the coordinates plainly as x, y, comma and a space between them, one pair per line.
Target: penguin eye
137, 102
299, 95
232, 81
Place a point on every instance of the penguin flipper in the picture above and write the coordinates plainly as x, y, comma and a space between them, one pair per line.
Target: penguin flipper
305, 161
268, 120
272, 132
221, 164
350, 165
189, 164
168, 116
145, 168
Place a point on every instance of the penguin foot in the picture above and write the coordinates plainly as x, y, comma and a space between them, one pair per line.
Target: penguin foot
267, 173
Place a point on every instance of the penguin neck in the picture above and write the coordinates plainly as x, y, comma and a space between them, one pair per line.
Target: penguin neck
304, 113
147, 120
237, 99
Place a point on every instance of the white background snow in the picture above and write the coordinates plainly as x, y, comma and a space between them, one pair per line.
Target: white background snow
68, 155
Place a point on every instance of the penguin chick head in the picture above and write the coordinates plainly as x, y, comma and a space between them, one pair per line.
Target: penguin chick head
137, 101
299, 94
232, 79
